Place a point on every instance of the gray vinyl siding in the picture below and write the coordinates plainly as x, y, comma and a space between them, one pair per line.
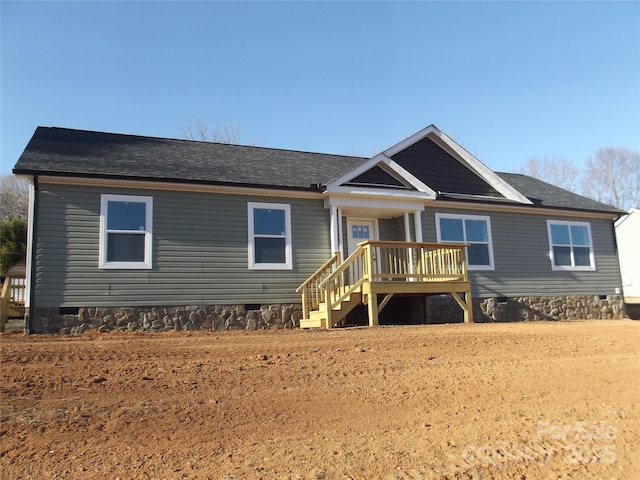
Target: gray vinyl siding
386, 229
200, 253
398, 227
521, 257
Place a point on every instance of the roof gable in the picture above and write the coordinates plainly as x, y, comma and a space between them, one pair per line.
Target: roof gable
442, 171
392, 173
629, 223
438, 161
378, 177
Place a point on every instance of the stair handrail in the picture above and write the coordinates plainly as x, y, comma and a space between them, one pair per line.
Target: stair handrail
312, 297
344, 265
319, 271
353, 288
333, 297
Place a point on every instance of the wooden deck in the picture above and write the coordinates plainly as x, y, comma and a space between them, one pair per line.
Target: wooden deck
13, 295
384, 269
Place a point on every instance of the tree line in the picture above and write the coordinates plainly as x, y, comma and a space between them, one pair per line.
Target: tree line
14, 205
611, 176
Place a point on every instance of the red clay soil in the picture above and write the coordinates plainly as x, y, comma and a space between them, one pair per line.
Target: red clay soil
520, 400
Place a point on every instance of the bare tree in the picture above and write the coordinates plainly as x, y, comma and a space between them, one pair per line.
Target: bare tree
612, 176
14, 197
554, 170
206, 133
354, 152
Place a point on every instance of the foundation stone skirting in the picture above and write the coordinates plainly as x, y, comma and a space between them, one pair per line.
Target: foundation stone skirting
162, 319
443, 309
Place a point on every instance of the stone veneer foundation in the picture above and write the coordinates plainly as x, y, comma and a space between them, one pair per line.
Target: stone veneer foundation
441, 309
162, 319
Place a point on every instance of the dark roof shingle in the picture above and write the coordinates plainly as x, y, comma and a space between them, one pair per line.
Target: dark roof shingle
544, 194
61, 151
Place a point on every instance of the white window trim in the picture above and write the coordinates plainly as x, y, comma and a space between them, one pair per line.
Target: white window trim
592, 257
288, 264
105, 198
485, 218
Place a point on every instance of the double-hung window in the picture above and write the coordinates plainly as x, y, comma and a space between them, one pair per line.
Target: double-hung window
474, 230
269, 236
570, 245
125, 231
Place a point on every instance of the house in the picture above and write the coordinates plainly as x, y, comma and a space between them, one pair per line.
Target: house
627, 233
136, 232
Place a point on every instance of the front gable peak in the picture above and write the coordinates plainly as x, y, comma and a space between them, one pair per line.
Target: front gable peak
430, 165
448, 169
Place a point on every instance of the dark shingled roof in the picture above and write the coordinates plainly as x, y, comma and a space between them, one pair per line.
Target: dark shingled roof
544, 194
67, 152
61, 151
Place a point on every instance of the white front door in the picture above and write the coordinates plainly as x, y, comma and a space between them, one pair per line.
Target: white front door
360, 230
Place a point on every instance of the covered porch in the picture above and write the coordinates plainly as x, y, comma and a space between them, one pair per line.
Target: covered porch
378, 270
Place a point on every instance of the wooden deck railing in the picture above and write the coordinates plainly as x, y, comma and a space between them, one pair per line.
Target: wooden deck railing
12, 301
417, 262
313, 291
376, 261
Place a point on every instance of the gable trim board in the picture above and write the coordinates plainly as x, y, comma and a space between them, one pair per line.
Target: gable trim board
201, 239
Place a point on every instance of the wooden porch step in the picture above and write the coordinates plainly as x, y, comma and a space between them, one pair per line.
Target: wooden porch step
313, 323
318, 318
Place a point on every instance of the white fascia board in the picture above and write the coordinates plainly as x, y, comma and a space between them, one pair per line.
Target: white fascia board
373, 204
472, 162
375, 192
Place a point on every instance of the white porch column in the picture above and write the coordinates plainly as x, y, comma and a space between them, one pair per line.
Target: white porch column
407, 238
334, 229
407, 230
340, 236
417, 217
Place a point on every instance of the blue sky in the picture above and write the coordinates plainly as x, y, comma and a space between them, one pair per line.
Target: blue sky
507, 80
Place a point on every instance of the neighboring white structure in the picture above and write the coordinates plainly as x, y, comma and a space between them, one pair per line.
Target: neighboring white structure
628, 237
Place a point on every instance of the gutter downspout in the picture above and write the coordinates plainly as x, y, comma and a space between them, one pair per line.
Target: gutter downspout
31, 256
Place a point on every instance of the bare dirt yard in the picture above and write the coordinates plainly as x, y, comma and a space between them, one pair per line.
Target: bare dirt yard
520, 400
